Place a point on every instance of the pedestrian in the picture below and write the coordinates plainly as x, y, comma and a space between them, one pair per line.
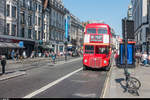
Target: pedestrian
32, 54
144, 58
53, 57
24, 54
0, 57
138, 57
65, 55
116, 56
12, 54
3, 63
17, 55
149, 58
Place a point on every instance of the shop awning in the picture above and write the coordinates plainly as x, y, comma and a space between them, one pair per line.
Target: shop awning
9, 45
17, 45
46, 46
2, 45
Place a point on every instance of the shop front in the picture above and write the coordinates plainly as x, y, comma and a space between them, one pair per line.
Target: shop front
9, 43
6, 48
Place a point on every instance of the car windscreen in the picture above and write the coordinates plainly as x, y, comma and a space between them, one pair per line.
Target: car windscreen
89, 49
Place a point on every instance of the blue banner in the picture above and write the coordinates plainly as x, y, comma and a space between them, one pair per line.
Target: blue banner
67, 26
129, 54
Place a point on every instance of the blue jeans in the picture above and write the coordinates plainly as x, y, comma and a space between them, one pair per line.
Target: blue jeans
13, 58
145, 62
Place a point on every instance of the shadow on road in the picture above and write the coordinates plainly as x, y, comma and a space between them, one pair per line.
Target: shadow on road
121, 81
96, 69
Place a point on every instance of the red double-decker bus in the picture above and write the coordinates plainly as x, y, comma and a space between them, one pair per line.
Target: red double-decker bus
97, 46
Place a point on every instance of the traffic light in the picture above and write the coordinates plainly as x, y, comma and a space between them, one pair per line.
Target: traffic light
129, 28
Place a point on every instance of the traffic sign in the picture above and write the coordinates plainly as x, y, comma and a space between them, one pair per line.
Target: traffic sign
21, 44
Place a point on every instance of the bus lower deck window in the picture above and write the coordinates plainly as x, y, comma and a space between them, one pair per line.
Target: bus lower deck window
102, 50
89, 49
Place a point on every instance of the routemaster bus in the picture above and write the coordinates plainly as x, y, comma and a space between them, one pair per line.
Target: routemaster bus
97, 46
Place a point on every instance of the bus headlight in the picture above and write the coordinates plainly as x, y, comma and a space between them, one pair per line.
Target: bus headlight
85, 60
105, 61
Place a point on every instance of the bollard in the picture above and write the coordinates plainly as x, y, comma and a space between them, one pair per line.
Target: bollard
3, 63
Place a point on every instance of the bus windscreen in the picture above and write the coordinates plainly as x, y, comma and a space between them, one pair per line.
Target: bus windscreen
102, 50
89, 49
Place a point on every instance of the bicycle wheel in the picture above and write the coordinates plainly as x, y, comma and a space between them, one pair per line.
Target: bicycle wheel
134, 83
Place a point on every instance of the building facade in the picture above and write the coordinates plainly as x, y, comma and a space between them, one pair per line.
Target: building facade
35, 23
46, 22
38, 19
57, 25
11, 17
140, 17
2, 16
19, 24
26, 23
76, 32
129, 13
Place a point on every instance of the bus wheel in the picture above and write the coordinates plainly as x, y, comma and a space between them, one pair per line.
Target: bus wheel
107, 68
84, 67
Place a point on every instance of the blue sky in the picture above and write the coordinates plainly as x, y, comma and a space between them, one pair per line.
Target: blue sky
110, 11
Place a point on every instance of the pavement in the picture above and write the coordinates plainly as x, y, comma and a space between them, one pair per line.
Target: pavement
11, 70
115, 83
9, 75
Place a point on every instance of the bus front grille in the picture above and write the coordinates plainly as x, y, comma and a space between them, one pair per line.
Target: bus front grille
95, 62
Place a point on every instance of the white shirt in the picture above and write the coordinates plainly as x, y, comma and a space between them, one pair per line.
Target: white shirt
144, 56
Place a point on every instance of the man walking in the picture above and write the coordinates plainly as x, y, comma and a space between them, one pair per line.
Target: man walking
12, 54
138, 56
144, 58
3, 63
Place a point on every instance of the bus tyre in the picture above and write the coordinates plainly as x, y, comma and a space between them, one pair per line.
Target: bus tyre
84, 67
107, 68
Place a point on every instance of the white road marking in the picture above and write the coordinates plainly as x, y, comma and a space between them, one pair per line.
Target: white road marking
106, 84
51, 84
68, 61
89, 95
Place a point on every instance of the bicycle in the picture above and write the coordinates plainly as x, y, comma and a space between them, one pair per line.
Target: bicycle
132, 83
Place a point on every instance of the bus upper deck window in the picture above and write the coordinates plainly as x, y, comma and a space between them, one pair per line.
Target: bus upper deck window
102, 31
91, 31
